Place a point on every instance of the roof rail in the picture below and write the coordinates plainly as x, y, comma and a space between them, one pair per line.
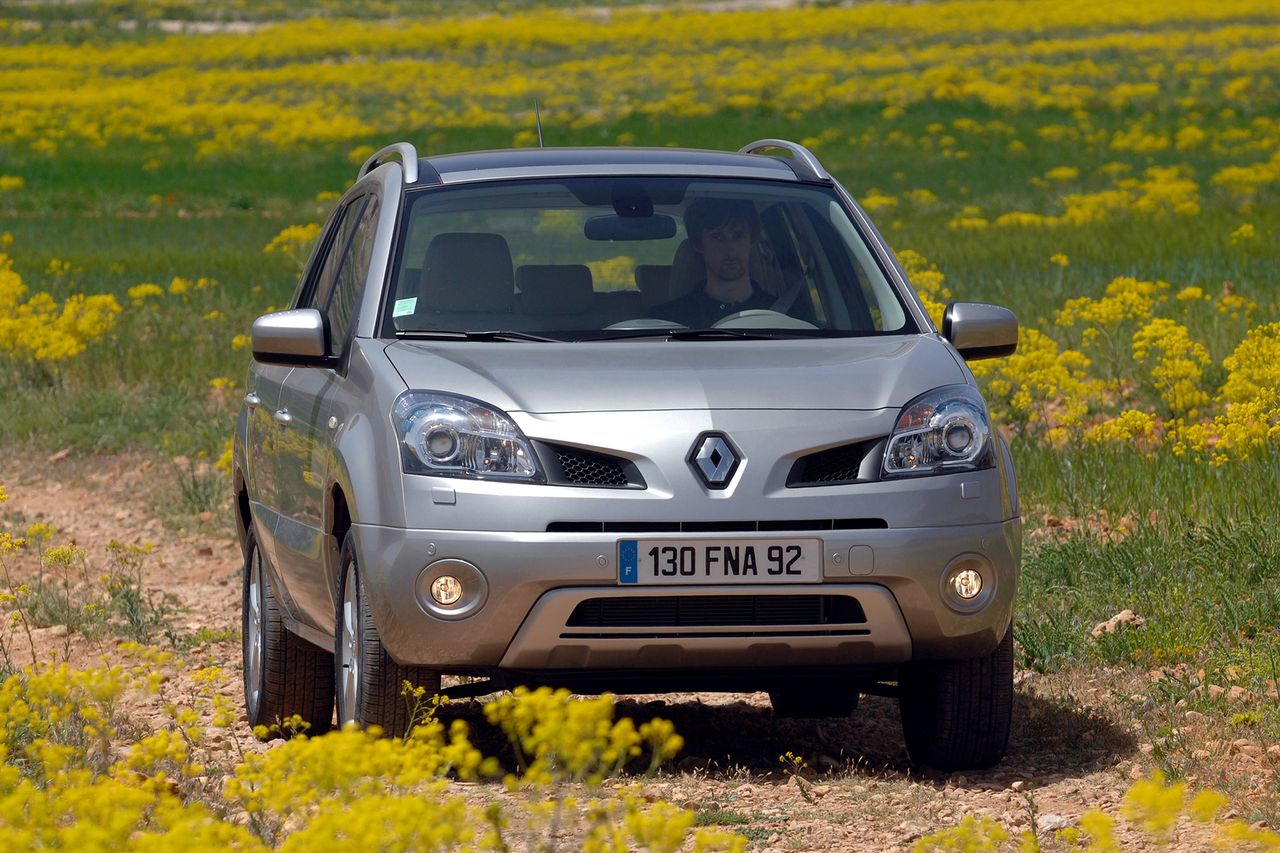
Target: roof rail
802, 161
408, 161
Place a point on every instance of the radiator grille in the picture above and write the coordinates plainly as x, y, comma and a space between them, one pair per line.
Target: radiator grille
675, 611
574, 466
590, 469
830, 467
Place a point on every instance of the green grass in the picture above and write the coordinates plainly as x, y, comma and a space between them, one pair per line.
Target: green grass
1198, 586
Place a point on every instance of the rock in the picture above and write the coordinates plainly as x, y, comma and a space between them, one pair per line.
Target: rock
1195, 717
1019, 786
1125, 618
1216, 692
1239, 694
1051, 823
821, 790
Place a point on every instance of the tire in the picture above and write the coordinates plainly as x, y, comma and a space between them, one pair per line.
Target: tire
284, 675
368, 679
812, 701
956, 714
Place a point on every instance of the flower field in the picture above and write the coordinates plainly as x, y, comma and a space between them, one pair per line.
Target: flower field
1108, 170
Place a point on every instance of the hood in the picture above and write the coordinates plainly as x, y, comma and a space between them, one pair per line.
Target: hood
548, 378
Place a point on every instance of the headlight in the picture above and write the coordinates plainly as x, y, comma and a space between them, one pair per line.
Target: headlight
945, 430
458, 437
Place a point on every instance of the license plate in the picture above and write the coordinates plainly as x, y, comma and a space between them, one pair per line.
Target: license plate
719, 561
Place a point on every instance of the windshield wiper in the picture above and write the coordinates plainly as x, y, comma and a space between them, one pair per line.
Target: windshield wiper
694, 335
457, 335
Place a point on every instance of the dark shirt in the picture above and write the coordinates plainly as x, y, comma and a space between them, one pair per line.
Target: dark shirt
697, 310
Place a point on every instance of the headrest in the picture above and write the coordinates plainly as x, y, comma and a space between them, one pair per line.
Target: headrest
555, 288
467, 272
654, 281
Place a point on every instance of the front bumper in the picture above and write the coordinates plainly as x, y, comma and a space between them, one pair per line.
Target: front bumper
534, 581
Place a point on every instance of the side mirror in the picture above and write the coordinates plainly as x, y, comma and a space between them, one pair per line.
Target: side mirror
978, 330
290, 337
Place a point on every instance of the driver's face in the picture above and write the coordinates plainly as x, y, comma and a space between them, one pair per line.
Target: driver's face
726, 250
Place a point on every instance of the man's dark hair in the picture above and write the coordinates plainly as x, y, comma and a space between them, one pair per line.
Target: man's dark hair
708, 213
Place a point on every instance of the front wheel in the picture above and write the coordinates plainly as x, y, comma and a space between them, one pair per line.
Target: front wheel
284, 675
370, 681
956, 714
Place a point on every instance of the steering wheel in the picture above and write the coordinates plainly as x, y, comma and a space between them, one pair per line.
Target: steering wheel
761, 318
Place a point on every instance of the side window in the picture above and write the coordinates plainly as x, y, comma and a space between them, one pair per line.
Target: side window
316, 292
349, 281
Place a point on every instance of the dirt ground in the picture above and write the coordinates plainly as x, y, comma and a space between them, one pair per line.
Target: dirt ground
1074, 746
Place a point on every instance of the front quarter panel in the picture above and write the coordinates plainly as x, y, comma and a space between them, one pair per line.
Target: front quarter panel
366, 464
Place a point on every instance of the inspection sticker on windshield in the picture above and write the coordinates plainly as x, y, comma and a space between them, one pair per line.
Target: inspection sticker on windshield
719, 561
404, 307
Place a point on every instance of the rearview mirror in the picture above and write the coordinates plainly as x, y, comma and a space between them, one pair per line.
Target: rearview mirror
290, 337
978, 330
659, 226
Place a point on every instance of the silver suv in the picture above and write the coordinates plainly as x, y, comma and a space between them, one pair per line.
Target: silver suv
625, 419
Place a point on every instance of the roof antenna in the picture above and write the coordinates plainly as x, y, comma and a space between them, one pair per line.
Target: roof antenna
537, 116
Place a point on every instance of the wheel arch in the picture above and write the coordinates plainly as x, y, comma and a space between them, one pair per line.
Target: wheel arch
244, 514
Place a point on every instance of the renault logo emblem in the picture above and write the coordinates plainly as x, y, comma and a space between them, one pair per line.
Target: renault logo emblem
715, 459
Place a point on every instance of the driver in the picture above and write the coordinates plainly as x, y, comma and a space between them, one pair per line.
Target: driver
722, 232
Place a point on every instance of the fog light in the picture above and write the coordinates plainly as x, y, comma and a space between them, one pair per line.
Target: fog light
967, 584
451, 589
447, 590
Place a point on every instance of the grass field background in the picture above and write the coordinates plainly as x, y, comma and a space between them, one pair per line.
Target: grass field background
1110, 171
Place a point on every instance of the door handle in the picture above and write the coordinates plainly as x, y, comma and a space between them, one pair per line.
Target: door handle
283, 417
252, 400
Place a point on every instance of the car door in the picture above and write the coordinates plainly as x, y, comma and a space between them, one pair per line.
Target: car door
313, 398
262, 399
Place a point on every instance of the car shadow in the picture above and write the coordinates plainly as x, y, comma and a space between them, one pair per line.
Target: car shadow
732, 736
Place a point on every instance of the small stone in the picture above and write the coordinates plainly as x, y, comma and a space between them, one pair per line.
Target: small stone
1195, 717
1216, 692
1125, 618
1051, 823
1019, 786
1238, 694
821, 790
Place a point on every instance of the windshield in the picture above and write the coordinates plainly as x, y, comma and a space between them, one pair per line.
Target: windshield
613, 258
